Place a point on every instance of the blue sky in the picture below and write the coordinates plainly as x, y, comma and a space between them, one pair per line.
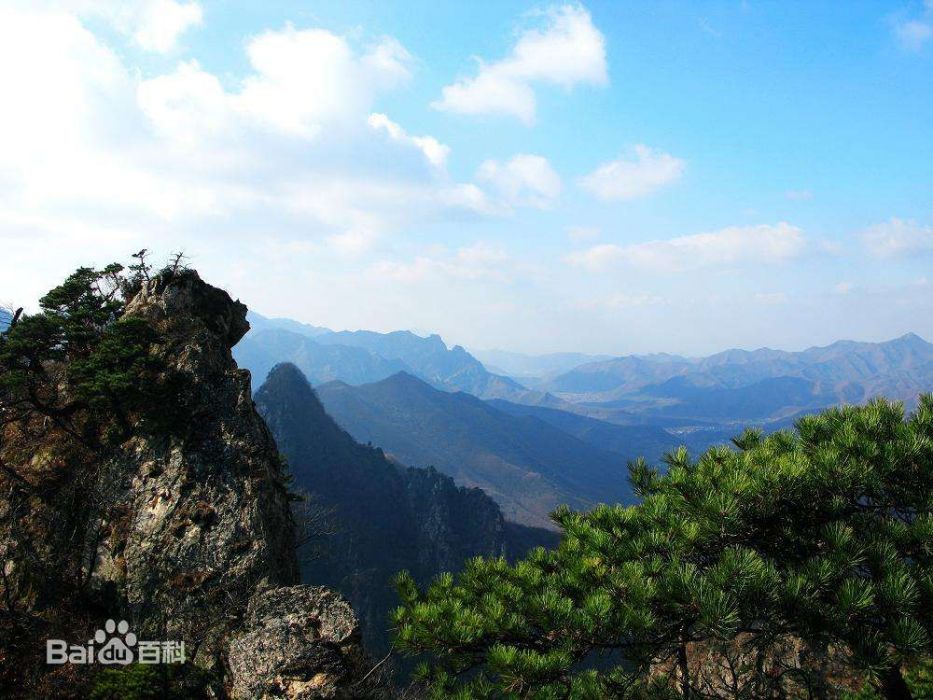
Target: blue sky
608, 177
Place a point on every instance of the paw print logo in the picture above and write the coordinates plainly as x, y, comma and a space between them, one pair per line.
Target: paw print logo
117, 650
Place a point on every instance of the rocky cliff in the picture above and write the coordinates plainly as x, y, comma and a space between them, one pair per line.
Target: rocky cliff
381, 517
186, 533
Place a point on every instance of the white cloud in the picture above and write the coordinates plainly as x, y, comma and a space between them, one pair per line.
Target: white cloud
913, 33
583, 233
566, 51
898, 237
63, 129
162, 22
523, 180
728, 246
302, 81
67, 69
474, 262
629, 179
469, 197
90, 150
153, 25
770, 298
359, 210
434, 151
187, 105
352, 242
307, 78
598, 257
799, 195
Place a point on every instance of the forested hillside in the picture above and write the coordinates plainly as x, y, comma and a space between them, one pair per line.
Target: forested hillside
366, 518
526, 465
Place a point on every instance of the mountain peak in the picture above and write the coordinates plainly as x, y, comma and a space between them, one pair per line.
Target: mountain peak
404, 378
287, 372
382, 517
911, 339
173, 297
365, 357
259, 322
291, 389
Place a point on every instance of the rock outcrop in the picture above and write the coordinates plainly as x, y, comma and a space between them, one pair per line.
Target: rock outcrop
297, 642
188, 535
205, 516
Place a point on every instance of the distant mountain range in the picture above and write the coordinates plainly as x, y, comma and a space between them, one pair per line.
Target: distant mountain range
567, 439
750, 386
527, 465
375, 516
258, 322
533, 367
262, 350
429, 358
720, 392
358, 357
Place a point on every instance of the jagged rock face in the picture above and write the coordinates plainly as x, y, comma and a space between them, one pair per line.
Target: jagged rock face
297, 642
190, 534
207, 315
452, 524
206, 516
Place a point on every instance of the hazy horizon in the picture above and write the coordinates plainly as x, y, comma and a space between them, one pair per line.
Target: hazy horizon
424, 333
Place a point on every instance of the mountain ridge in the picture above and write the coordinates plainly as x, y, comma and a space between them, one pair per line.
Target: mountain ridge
526, 465
842, 372
763, 386
385, 517
360, 357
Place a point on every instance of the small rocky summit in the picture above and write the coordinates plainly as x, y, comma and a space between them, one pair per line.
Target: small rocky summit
189, 535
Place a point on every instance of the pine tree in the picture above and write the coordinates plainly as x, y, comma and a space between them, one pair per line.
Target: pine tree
83, 365
789, 563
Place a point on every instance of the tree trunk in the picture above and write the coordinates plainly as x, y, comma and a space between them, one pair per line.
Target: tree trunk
893, 686
684, 667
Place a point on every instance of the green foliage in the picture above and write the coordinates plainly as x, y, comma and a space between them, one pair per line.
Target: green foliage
108, 375
823, 536
149, 682
919, 679
81, 363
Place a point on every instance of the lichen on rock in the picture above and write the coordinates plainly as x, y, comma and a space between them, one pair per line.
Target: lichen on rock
297, 642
